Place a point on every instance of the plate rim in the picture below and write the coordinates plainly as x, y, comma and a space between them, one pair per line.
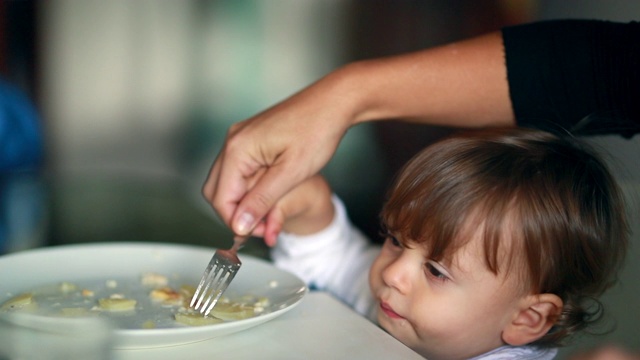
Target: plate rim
125, 338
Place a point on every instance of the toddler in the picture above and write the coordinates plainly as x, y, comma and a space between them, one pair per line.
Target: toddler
497, 244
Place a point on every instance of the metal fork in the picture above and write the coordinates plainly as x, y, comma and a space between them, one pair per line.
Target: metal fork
217, 276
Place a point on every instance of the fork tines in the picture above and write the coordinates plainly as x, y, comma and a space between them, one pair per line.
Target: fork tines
215, 280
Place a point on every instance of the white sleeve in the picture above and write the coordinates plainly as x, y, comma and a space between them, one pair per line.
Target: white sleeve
336, 259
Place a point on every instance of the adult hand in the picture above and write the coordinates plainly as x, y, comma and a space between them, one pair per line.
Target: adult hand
267, 155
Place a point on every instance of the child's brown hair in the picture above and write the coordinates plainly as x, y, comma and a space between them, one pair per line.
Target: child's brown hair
558, 196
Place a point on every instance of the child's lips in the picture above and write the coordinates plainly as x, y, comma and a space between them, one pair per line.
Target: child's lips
388, 310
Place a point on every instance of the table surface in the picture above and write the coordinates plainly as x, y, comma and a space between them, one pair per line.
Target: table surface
320, 327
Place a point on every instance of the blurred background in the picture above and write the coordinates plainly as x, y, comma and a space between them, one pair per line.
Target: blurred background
127, 103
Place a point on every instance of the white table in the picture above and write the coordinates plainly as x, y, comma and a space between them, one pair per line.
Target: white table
320, 327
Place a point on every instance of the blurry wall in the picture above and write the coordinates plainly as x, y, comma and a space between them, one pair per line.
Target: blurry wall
115, 84
126, 83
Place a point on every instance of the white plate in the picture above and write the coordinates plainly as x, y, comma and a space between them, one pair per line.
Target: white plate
22, 272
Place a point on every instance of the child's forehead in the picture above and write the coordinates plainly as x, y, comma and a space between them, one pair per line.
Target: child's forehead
471, 244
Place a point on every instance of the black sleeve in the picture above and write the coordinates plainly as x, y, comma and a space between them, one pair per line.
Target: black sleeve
578, 76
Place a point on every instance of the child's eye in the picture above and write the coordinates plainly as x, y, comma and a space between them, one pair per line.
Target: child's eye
389, 238
434, 272
394, 241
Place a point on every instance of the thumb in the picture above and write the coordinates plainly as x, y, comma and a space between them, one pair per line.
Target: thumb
261, 198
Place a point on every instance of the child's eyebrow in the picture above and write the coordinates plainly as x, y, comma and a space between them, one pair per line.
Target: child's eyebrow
386, 232
404, 241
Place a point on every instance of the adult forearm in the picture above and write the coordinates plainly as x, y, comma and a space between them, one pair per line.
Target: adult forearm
463, 84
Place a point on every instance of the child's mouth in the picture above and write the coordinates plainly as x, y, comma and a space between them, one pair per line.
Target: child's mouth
389, 311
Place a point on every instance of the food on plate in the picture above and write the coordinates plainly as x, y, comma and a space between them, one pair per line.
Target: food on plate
22, 302
167, 296
150, 302
154, 279
232, 311
117, 304
193, 318
67, 287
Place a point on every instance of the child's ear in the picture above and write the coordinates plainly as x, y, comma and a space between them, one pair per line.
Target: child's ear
533, 320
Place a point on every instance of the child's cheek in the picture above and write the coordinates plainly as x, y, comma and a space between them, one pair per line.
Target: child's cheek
375, 273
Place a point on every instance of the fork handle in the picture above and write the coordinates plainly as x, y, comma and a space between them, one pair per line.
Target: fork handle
238, 242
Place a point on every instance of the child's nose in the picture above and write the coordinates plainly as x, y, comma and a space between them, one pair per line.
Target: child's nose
397, 274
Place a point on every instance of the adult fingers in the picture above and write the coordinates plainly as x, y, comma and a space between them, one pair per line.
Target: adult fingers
259, 199
224, 192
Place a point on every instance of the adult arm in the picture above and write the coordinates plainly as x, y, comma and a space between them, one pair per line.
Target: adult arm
463, 84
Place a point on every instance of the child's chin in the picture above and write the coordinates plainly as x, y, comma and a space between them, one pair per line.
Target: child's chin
397, 335
383, 322
389, 325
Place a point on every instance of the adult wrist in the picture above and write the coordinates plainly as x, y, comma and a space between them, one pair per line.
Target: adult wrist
372, 88
354, 83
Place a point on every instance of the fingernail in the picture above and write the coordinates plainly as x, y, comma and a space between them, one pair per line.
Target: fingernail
244, 224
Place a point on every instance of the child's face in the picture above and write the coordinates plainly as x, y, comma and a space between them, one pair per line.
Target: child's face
442, 310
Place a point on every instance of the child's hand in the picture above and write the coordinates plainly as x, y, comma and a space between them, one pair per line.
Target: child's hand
304, 210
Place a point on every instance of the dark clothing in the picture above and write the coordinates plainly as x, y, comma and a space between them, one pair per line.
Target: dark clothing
577, 76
